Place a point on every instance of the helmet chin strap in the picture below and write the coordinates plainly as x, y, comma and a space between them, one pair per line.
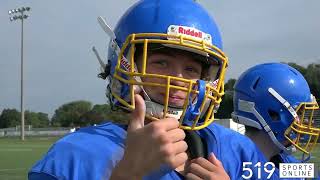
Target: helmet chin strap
193, 109
155, 109
270, 133
305, 159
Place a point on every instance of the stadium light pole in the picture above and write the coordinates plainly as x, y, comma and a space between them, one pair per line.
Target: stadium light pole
19, 14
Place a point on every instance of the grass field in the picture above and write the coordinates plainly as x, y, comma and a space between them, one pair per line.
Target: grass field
16, 157
315, 158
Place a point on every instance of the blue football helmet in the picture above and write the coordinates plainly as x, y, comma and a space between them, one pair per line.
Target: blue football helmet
165, 24
276, 98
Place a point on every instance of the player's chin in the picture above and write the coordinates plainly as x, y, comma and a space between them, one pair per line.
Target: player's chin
172, 102
177, 103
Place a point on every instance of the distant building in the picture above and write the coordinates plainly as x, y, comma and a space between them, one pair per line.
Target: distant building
229, 123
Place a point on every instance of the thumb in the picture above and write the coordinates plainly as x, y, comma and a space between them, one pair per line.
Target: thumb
213, 159
138, 114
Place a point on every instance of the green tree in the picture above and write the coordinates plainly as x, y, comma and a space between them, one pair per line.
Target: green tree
229, 85
313, 77
37, 120
226, 106
102, 113
301, 69
44, 119
98, 114
70, 114
9, 118
120, 116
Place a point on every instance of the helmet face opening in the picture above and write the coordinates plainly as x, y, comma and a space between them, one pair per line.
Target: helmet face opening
162, 28
190, 97
304, 132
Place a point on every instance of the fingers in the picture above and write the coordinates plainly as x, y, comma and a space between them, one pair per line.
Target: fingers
164, 136
206, 169
191, 176
157, 128
174, 154
198, 169
176, 135
173, 149
138, 115
204, 164
169, 123
213, 159
179, 147
177, 160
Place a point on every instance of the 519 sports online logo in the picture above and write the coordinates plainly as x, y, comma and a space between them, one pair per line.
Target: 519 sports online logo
286, 170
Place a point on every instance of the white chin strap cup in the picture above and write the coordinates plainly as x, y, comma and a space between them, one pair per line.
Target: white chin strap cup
156, 110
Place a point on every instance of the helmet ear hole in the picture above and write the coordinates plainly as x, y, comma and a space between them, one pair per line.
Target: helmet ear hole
294, 72
274, 115
256, 83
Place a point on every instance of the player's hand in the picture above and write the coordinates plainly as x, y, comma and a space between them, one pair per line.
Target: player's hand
201, 168
148, 147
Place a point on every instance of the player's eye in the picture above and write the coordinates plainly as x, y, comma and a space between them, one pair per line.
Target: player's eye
193, 72
160, 63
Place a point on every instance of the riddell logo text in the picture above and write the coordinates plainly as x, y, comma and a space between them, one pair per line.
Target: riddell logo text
125, 63
190, 32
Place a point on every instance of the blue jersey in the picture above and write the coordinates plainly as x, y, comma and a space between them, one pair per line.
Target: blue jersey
91, 153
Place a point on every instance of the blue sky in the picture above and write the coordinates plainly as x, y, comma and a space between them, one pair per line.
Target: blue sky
59, 34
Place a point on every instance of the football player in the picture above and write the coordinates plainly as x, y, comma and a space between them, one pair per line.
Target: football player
167, 67
274, 102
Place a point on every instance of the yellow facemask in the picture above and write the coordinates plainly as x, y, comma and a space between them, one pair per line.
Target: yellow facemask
210, 95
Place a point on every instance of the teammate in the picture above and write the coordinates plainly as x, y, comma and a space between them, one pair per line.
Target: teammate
167, 67
274, 102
